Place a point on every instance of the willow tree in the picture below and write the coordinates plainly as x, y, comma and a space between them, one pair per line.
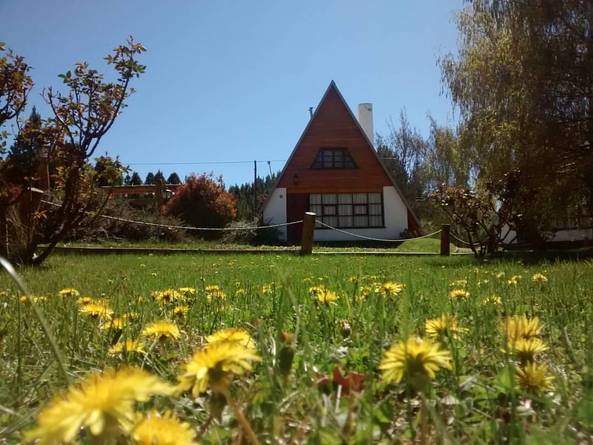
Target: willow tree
523, 81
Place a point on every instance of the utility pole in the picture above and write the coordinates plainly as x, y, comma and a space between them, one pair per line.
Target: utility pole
255, 189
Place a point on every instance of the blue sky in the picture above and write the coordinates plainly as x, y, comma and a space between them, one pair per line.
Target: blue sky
233, 80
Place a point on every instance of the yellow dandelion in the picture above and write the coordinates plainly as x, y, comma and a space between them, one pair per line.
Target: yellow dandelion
458, 294
161, 330
214, 292
267, 289
316, 290
535, 377
232, 334
102, 403
180, 311
166, 296
326, 297
415, 360
83, 301
516, 327
492, 300
500, 275
116, 324
458, 283
188, 291
129, 346
155, 429
214, 366
69, 292
443, 327
539, 278
33, 298
514, 280
525, 349
391, 289
96, 310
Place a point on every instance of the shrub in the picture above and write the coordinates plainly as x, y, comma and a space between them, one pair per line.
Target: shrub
203, 202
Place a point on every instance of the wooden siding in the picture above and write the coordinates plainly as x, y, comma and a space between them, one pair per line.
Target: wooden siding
333, 126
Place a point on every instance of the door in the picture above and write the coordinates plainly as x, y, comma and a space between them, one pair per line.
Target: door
296, 206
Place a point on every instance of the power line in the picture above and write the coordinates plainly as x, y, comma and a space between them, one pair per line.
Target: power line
202, 163
217, 162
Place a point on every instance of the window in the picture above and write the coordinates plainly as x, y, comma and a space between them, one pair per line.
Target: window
333, 158
348, 210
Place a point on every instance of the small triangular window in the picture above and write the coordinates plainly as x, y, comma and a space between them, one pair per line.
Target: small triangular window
333, 158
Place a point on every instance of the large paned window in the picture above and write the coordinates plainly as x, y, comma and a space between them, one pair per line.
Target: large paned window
348, 210
333, 158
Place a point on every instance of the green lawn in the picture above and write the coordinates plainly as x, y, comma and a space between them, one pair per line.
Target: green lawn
479, 400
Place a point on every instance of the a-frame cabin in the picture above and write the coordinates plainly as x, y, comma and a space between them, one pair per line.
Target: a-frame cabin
335, 172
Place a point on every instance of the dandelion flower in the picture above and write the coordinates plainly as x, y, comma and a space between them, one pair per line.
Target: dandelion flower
535, 377
391, 289
213, 291
103, 403
214, 365
187, 291
116, 324
180, 311
326, 297
96, 310
514, 280
443, 327
162, 430
492, 300
69, 292
83, 301
416, 360
539, 278
162, 329
520, 326
166, 296
232, 334
458, 283
527, 348
129, 346
459, 294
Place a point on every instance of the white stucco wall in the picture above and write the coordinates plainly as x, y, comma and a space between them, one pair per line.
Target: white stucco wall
572, 235
396, 220
275, 210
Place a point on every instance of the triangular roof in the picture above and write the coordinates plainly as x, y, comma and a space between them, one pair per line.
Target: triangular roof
332, 90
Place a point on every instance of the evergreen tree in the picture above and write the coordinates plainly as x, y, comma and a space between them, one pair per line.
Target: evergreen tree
159, 176
127, 179
135, 180
173, 179
150, 179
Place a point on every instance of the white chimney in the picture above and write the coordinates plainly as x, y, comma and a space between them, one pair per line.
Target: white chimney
365, 119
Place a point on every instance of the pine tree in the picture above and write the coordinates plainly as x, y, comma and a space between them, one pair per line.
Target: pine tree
173, 179
150, 179
159, 176
135, 180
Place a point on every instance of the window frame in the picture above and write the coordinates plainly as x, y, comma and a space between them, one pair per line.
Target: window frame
323, 216
346, 158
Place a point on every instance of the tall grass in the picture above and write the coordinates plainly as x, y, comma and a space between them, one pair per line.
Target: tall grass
475, 401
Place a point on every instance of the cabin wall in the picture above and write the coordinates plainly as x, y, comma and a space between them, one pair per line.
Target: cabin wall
396, 221
275, 210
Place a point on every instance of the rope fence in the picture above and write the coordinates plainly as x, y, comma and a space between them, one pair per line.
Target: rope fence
169, 226
370, 238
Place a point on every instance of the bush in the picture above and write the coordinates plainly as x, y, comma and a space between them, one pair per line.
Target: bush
203, 202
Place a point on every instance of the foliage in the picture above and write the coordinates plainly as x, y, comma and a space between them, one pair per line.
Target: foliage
319, 377
174, 179
522, 81
15, 85
477, 216
135, 179
58, 152
149, 178
159, 177
203, 202
245, 197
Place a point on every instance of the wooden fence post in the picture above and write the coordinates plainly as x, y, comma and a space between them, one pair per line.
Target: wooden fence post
445, 239
308, 232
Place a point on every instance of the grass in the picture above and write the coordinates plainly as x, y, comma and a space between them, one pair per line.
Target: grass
477, 401
425, 245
